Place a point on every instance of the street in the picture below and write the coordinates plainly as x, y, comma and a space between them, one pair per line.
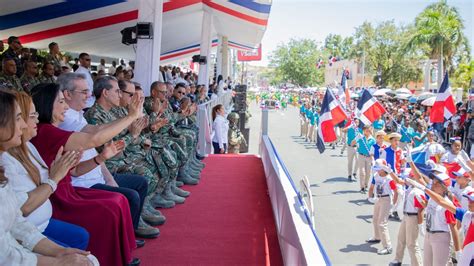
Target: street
343, 215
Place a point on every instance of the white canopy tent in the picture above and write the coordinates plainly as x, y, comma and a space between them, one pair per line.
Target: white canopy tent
94, 26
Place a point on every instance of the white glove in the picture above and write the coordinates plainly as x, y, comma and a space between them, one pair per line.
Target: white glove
431, 164
408, 157
415, 184
421, 230
372, 200
458, 256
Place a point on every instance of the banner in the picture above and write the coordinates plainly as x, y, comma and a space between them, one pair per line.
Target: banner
252, 55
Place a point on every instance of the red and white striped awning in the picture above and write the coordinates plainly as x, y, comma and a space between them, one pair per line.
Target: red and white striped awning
94, 26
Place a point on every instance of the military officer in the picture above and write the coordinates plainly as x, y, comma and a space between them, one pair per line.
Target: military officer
8, 74
29, 78
47, 73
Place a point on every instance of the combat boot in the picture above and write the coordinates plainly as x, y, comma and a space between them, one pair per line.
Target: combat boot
152, 216
157, 201
188, 180
146, 231
179, 183
169, 195
176, 190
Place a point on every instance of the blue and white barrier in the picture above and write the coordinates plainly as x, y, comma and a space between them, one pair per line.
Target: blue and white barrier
298, 241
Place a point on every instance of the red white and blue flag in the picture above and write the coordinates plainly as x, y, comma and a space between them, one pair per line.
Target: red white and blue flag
343, 93
468, 250
444, 106
330, 115
368, 108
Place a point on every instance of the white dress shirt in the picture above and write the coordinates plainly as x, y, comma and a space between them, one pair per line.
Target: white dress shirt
90, 85
112, 70
220, 128
22, 183
75, 121
14, 228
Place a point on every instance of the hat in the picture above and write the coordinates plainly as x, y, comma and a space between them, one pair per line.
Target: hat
380, 133
442, 177
469, 195
378, 164
394, 135
435, 167
459, 174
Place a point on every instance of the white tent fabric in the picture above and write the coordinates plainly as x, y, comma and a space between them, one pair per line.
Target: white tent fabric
94, 26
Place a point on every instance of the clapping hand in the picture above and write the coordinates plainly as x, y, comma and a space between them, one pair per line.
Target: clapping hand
62, 164
137, 126
135, 108
112, 148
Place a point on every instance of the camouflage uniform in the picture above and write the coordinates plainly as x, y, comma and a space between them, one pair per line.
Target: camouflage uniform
133, 159
11, 82
45, 79
28, 82
55, 61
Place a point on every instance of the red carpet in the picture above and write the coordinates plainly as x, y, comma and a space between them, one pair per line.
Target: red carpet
227, 220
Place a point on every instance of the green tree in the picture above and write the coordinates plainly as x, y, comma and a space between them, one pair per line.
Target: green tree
440, 27
385, 57
463, 75
335, 45
295, 62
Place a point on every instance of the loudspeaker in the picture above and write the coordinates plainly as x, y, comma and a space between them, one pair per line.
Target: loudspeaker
240, 88
144, 30
196, 58
128, 35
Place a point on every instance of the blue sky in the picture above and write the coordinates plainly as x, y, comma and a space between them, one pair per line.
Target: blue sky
316, 19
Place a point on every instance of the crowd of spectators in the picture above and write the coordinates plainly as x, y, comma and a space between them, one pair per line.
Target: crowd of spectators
87, 160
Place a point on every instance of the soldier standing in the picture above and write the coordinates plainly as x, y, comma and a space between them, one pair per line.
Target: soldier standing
235, 137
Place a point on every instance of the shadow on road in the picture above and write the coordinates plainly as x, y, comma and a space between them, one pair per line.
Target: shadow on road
365, 247
336, 179
360, 202
365, 218
342, 192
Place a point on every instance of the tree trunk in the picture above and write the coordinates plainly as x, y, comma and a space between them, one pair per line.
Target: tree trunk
440, 67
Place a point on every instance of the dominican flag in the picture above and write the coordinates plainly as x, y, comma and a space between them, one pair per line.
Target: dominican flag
320, 63
468, 249
369, 109
330, 115
343, 93
444, 106
454, 167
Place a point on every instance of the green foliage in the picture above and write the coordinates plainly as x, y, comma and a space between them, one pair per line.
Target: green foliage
295, 62
439, 27
386, 59
335, 45
463, 75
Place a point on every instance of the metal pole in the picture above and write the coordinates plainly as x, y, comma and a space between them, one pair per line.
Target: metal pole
363, 68
265, 122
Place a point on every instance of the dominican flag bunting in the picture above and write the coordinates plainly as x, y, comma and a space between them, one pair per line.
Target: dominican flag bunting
368, 108
444, 106
454, 167
330, 115
320, 63
468, 249
343, 93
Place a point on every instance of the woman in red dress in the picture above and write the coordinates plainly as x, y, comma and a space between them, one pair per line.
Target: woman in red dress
105, 215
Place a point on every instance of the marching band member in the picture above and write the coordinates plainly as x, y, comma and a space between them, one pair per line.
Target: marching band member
364, 161
352, 162
434, 150
394, 157
379, 145
383, 185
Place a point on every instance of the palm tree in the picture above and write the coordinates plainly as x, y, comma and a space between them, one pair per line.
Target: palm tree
440, 27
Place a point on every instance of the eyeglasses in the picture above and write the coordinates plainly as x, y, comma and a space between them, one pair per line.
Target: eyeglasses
34, 115
161, 91
127, 92
85, 92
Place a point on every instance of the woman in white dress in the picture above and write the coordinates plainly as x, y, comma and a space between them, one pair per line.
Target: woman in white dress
35, 249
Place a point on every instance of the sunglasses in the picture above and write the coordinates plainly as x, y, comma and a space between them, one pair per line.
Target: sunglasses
127, 92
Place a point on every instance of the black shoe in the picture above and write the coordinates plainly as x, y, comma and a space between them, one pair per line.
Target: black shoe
134, 262
200, 157
140, 243
373, 241
362, 190
349, 178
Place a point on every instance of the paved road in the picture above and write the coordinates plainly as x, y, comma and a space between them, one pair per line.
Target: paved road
343, 216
